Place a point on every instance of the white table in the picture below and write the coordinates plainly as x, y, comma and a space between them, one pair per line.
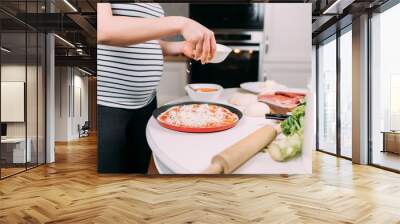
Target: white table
191, 153
19, 153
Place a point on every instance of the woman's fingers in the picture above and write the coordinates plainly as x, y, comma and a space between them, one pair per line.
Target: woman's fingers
213, 48
199, 47
206, 48
188, 49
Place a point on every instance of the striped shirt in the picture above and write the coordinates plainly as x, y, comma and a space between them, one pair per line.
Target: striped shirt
127, 77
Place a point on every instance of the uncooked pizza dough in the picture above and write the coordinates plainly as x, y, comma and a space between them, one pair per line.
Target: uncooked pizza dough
243, 99
257, 109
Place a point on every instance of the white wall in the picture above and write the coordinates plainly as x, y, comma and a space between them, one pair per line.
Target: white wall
13, 101
79, 118
61, 103
313, 87
33, 127
15, 72
313, 82
69, 81
287, 30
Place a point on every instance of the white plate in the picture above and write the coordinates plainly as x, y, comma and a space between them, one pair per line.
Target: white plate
257, 87
254, 87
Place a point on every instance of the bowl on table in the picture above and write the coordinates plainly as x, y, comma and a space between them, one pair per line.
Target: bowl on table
203, 91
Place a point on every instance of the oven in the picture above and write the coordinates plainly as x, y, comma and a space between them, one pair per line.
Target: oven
242, 64
249, 16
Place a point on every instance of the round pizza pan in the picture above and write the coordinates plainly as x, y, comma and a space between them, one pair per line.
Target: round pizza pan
164, 108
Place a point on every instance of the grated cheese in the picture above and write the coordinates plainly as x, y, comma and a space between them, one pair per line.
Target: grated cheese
196, 115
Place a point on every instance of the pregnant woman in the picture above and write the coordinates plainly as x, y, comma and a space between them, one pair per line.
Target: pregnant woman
129, 67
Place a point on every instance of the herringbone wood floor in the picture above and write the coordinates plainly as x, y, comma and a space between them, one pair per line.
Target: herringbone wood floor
70, 191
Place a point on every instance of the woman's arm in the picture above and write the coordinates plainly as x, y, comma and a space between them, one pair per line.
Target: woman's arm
123, 31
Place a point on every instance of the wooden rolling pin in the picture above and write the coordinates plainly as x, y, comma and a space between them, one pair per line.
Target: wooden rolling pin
233, 157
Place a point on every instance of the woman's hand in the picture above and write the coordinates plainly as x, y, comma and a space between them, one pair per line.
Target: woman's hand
188, 49
185, 48
177, 48
200, 39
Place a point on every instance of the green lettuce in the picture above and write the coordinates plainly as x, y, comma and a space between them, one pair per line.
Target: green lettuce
295, 122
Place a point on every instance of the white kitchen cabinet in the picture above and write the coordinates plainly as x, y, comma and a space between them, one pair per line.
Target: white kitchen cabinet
287, 46
173, 81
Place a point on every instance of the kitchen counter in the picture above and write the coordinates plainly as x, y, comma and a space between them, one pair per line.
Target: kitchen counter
191, 153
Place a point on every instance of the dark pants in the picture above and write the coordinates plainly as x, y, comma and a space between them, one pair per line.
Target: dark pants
121, 141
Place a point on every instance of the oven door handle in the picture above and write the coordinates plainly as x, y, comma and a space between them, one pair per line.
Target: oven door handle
266, 45
245, 48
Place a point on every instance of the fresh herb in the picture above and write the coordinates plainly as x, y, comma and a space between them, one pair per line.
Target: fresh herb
295, 122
